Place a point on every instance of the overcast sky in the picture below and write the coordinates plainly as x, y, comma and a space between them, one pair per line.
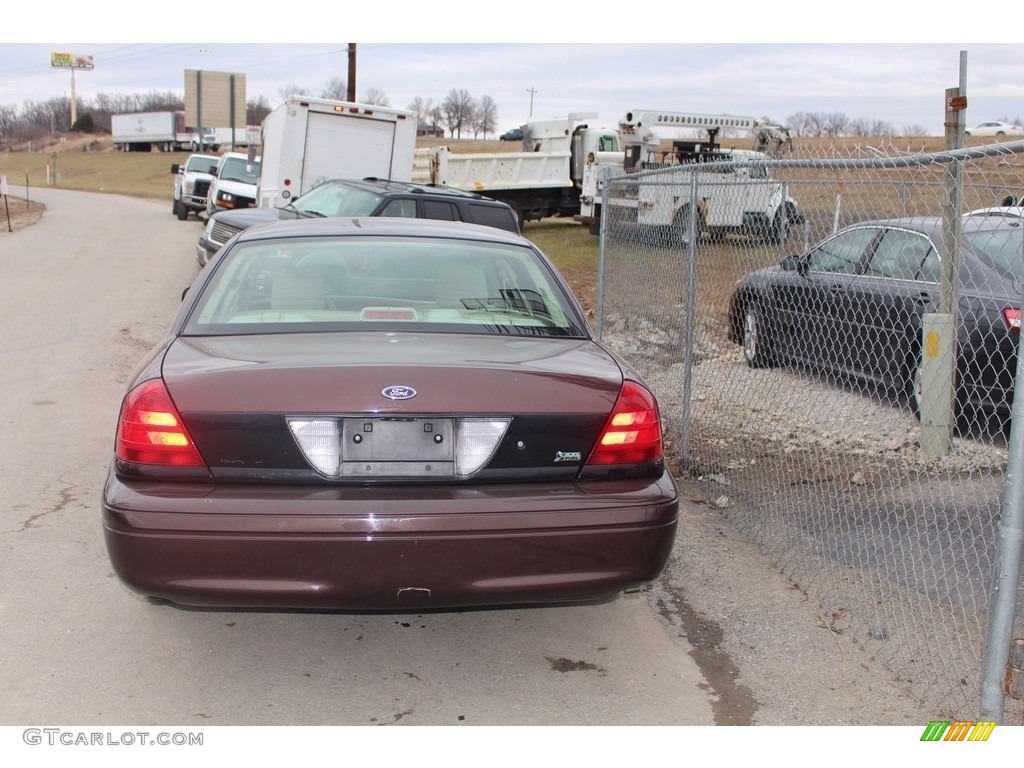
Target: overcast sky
757, 66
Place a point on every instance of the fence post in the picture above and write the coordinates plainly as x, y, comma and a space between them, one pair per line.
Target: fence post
690, 312
602, 230
1008, 560
937, 403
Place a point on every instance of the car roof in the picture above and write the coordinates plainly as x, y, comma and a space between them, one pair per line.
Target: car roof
932, 225
379, 226
391, 187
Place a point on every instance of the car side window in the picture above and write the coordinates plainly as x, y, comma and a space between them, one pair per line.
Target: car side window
900, 254
843, 252
440, 209
400, 208
493, 216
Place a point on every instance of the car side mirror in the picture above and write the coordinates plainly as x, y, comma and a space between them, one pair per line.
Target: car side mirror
175, 167
795, 264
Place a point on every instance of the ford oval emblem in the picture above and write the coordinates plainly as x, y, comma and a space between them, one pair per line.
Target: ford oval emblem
398, 392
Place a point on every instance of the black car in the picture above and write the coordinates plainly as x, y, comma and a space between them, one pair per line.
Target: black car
852, 306
514, 134
363, 197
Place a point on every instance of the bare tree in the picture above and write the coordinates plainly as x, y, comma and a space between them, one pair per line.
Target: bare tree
422, 108
814, 124
486, 117
859, 126
377, 97
835, 124
8, 120
336, 89
798, 124
160, 101
256, 109
457, 111
914, 131
292, 90
436, 115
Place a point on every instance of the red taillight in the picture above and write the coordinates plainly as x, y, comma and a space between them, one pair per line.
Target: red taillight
150, 431
1012, 319
632, 434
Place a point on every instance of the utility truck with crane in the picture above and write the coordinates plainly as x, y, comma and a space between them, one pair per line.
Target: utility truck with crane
542, 180
735, 193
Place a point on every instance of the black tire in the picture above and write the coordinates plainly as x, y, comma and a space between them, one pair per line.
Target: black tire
680, 232
174, 206
778, 230
757, 342
182, 211
913, 384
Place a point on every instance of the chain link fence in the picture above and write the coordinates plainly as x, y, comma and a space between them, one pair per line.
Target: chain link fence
790, 316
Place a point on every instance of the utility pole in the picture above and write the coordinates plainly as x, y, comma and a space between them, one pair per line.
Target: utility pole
351, 71
531, 90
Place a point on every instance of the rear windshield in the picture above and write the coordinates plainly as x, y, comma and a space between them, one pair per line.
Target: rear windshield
383, 283
332, 200
1001, 248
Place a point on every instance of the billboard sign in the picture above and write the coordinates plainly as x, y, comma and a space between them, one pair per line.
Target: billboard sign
70, 61
215, 99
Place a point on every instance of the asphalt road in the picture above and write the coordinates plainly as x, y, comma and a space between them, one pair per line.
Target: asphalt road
85, 293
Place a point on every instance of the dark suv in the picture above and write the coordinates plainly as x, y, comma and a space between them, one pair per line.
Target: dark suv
366, 197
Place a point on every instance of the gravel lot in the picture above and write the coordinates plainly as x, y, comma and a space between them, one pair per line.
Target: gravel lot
871, 607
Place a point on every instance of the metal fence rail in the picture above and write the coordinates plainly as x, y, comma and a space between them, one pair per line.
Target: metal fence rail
791, 396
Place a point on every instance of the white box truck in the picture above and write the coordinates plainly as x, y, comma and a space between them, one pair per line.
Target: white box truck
306, 141
141, 131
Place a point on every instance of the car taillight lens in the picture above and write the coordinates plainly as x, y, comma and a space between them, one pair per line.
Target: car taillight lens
632, 434
1012, 319
150, 431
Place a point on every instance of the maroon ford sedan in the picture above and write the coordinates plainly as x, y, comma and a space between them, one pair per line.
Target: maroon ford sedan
385, 414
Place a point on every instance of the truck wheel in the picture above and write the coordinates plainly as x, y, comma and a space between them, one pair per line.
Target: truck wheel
681, 227
174, 206
195, 147
779, 228
182, 211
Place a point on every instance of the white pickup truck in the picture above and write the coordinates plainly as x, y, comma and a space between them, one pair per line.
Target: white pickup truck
192, 183
234, 183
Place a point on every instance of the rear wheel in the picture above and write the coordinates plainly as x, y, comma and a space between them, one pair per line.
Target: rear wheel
681, 227
778, 229
914, 383
756, 338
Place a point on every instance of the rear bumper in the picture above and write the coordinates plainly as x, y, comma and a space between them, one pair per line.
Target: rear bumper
376, 548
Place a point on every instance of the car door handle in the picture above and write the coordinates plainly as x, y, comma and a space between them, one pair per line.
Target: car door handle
923, 299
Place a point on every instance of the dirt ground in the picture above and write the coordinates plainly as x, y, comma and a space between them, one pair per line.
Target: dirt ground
16, 214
